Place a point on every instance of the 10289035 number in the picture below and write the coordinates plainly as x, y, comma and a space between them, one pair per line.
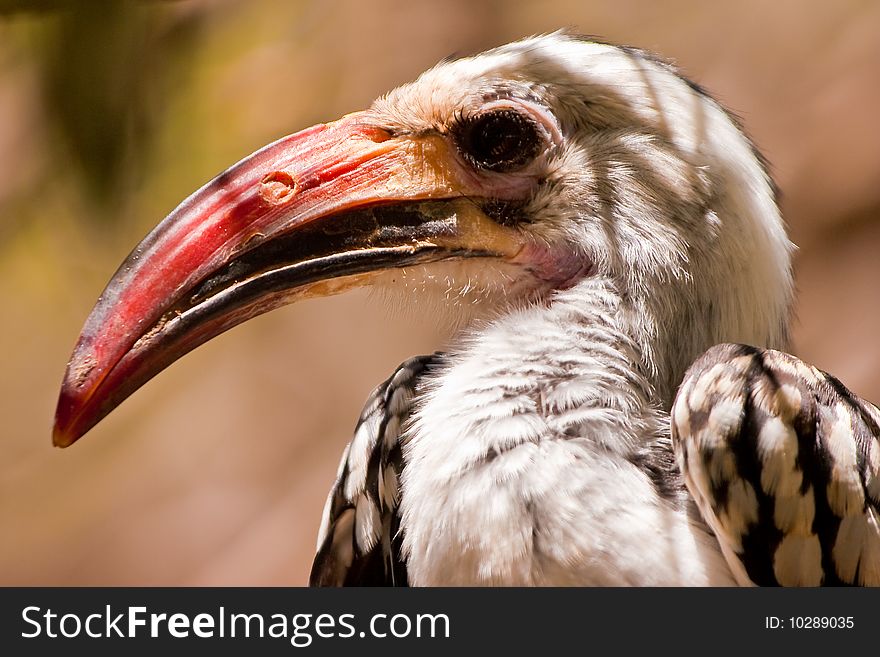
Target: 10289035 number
820, 622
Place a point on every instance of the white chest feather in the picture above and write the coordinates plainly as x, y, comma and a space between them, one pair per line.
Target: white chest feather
520, 467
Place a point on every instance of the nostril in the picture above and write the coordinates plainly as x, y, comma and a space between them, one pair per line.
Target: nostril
277, 187
375, 134
381, 135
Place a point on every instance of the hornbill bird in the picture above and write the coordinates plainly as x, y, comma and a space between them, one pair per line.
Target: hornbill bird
610, 243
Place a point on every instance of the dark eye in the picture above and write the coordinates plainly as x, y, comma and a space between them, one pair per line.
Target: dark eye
499, 140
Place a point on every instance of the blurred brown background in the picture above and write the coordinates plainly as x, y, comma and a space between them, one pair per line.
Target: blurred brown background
112, 112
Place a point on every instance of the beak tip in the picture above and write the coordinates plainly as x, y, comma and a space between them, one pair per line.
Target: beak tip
60, 439
61, 436
65, 431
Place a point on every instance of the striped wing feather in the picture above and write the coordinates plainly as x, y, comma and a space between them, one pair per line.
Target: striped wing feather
784, 464
359, 542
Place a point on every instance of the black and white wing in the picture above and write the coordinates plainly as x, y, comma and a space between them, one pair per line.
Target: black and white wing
784, 464
359, 542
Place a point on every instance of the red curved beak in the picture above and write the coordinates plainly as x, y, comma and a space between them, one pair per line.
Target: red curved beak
336, 202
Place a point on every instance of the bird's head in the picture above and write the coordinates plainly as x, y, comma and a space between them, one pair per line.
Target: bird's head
490, 182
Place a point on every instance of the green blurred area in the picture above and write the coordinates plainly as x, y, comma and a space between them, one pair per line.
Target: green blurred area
111, 112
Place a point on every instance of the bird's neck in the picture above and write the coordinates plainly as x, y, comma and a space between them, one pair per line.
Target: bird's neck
545, 411
552, 368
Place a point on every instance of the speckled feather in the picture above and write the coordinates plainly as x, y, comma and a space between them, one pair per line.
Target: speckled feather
784, 463
359, 540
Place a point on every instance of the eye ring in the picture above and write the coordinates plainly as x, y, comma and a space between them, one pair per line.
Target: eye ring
500, 139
